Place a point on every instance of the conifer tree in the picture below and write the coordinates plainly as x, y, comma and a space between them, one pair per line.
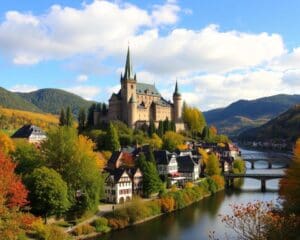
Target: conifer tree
62, 118
160, 130
81, 119
90, 117
151, 128
69, 117
111, 139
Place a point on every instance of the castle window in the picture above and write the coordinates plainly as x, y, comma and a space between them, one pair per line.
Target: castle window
131, 86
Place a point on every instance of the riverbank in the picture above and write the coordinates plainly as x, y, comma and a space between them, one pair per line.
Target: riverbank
138, 211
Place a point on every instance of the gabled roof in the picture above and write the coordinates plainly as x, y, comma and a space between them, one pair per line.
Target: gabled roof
144, 88
113, 159
27, 130
185, 164
163, 157
163, 102
116, 173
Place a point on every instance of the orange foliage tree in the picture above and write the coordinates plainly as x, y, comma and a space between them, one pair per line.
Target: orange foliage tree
6, 144
290, 185
167, 204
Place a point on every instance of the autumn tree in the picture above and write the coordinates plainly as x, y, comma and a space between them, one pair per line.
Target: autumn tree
6, 144
12, 189
48, 192
155, 142
213, 165
193, 118
171, 140
289, 189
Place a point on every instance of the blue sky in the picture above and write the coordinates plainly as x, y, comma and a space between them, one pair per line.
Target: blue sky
220, 51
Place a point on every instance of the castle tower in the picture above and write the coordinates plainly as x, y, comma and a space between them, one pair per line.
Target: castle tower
132, 111
128, 91
177, 100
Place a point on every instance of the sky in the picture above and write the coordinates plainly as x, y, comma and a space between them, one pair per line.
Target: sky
219, 51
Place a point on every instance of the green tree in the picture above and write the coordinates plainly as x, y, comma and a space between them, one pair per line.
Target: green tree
171, 140
151, 181
90, 117
62, 118
27, 157
111, 139
160, 129
166, 125
152, 128
69, 117
81, 120
48, 193
205, 133
73, 157
212, 165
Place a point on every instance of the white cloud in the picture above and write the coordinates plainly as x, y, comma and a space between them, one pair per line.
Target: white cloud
87, 92
82, 78
23, 88
165, 14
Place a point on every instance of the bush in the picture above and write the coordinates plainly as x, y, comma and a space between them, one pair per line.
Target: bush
212, 185
238, 166
101, 225
83, 230
167, 204
219, 180
117, 223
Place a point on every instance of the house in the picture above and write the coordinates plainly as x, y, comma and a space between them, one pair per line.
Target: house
119, 159
31, 133
188, 168
231, 150
137, 180
166, 162
118, 186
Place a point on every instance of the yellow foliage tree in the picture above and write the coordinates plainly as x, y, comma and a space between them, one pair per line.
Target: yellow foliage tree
155, 141
189, 185
6, 143
204, 155
167, 204
219, 180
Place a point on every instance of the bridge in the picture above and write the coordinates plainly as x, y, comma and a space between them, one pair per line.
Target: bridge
270, 161
263, 177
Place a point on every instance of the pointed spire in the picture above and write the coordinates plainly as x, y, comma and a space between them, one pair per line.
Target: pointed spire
176, 92
128, 67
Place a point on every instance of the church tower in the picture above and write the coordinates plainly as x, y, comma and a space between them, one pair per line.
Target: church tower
128, 92
177, 100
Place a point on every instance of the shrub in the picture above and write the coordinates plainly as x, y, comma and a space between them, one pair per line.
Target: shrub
189, 185
101, 225
219, 180
47, 232
167, 204
238, 166
153, 207
212, 185
83, 230
117, 223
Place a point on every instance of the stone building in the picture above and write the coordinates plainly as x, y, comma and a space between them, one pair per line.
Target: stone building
138, 103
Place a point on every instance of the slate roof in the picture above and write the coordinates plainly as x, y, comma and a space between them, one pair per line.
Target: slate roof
163, 102
163, 157
142, 88
113, 159
27, 130
116, 173
185, 164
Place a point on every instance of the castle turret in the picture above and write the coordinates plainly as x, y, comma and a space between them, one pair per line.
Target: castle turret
132, 111
177, 100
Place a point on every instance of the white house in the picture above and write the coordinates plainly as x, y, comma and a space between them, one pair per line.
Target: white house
118, 186
188, 168
166, 162
31, 133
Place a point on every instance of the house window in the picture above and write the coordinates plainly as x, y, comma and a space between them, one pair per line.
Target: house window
131, 86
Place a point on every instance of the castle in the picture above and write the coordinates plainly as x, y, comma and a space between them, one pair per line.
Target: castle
139, 103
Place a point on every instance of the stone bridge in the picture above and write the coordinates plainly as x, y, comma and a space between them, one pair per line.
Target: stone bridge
285, 162
263, 177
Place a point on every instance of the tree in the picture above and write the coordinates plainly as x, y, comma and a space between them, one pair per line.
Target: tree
69, 117
205, 133
12, 190
160, 129
166, 125
193, 118
73, 157
90, 117
111, 139
289, 190
171, 140
48, 192
213, 165
151, 180
152, 128
6, 144
155, 142
27, 157
81, 120
62, 118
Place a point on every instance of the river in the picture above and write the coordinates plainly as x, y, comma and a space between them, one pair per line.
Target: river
196, 221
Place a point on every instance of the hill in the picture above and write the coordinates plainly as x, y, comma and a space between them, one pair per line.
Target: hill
53, 100
12, 119
244, 114
284, 127
12, 100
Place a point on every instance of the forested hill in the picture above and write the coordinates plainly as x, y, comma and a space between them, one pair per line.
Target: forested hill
11, 100
245, 114
284, 127
53, 100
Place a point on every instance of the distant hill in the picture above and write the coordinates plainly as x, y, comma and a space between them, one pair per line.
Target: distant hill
244, 114
53, 100
284, 127
12, 100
